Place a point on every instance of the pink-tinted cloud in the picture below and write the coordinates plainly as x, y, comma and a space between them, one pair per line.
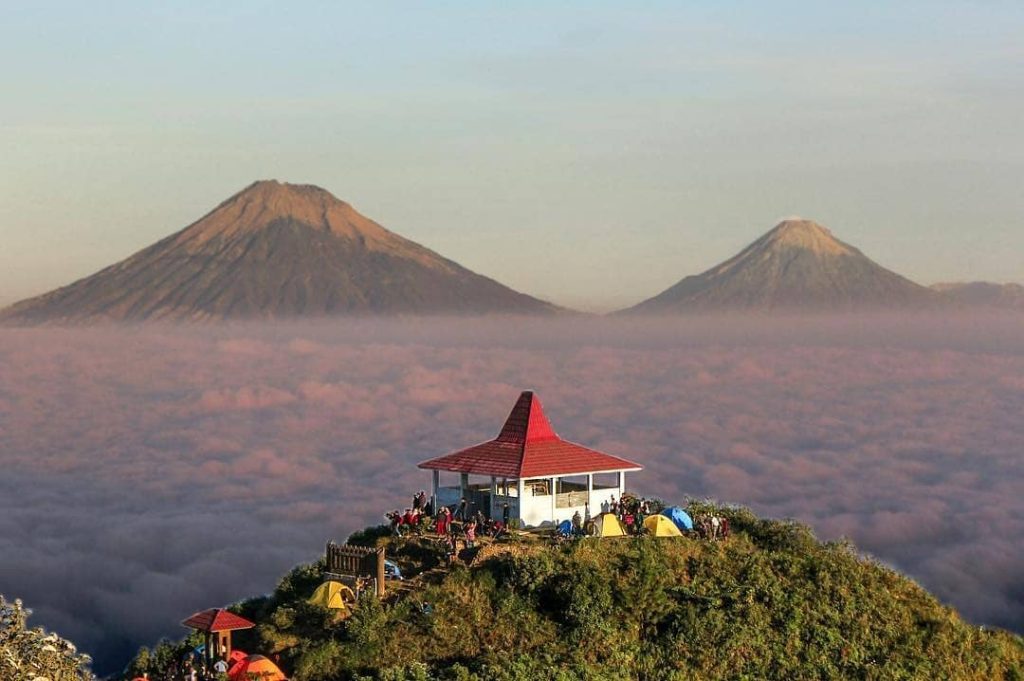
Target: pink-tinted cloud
149, 472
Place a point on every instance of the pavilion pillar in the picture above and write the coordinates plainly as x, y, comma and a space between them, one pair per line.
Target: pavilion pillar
520, 501
554, 498
463, 484
622, 484
435, 481
590, 486
492, 497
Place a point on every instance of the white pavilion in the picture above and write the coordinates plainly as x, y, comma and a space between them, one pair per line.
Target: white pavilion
543, 478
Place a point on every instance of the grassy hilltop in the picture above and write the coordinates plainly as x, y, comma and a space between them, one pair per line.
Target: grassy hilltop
771, 602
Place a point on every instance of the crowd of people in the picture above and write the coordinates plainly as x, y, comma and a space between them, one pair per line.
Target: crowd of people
631, 511
711, 527
452, 527
463, 524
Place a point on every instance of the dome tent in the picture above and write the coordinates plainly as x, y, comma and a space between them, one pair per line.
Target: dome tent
661, 526
680, 517
256, 667
333, 596
607, 525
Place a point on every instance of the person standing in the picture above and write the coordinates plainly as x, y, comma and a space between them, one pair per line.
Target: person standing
505, 513
441, 522
460, 513
470, 534
450, 548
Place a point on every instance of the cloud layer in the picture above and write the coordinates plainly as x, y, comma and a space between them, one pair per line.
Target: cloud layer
148, 472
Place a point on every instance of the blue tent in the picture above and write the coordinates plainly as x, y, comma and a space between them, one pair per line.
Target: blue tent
565, 528
680, 517
392, 571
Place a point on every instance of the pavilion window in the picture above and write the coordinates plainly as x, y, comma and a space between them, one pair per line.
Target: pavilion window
537, 487
572, 491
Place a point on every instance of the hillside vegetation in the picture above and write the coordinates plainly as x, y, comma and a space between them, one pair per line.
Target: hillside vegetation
32, 654
771, 602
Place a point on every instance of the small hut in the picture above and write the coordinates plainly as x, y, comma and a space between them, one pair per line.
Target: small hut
217, 624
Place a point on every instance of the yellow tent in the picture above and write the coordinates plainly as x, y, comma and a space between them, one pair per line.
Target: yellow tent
661, 526
333, 595
607, 525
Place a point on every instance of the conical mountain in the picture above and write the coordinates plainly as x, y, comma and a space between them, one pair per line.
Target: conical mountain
277, 250
797, 265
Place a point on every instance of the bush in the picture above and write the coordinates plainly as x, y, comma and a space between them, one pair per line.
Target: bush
30, 654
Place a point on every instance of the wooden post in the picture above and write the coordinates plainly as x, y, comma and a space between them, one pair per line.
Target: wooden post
433, 491
380, 572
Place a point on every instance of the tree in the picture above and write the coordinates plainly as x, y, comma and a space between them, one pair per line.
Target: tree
32, 654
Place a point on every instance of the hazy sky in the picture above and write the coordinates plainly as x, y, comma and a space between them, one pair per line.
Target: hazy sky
589, 153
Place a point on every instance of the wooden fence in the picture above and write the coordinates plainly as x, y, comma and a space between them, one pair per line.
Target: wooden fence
357, 561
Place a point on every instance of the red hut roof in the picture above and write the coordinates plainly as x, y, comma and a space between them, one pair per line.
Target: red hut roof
217, 619
528, 447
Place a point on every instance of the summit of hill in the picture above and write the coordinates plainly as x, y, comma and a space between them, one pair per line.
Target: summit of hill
768, 602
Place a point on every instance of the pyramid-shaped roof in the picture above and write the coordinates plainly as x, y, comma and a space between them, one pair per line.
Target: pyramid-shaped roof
528, 447
217, 619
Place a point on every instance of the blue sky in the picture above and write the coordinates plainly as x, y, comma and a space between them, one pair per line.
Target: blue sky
590, 153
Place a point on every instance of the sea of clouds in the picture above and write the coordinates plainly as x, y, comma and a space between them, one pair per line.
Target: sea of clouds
148, 472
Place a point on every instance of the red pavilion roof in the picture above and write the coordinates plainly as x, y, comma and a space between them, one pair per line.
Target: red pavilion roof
217, 619
528, 447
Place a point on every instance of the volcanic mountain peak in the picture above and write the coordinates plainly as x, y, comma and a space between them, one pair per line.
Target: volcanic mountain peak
277, 250
806, 234
268, 202
798, 264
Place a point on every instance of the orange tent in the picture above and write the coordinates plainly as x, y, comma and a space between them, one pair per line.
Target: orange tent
256, 667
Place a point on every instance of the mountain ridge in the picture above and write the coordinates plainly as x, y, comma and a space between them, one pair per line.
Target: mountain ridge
982, 294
